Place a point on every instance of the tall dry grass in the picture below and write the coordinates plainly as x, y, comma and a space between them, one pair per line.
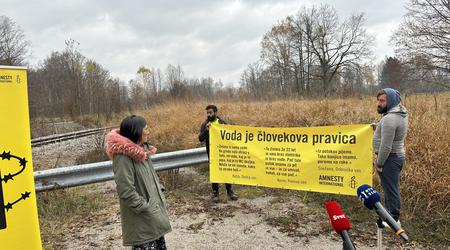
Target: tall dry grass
176, 125
425, 184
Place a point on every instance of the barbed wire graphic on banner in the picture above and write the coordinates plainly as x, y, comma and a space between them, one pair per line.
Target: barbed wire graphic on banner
22, 162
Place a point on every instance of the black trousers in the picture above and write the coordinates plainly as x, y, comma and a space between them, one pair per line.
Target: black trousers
215, 187
159, 244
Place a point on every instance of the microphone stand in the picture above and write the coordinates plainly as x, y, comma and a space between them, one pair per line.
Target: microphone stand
379, 237
380, 234
347, 244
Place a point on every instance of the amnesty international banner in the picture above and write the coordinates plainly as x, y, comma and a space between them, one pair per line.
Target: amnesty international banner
19, 226
331, 159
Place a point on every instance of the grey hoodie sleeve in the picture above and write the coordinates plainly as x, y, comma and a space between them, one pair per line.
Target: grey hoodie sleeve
387, 127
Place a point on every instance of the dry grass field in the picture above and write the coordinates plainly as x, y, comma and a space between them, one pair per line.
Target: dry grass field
425, 183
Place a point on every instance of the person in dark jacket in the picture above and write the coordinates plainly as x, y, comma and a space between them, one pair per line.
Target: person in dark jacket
142, 202
388, 145
213, 118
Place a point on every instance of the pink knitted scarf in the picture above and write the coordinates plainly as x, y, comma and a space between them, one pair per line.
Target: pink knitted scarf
117, 144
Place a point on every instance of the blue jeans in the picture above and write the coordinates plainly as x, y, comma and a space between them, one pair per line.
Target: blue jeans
390, 181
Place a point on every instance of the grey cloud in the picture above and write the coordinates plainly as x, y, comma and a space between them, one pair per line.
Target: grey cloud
207, 38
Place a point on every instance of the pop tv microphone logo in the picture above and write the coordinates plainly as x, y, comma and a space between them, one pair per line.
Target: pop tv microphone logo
336, 217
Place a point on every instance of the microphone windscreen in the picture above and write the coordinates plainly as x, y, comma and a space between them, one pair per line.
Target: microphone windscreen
368, 195
338, 219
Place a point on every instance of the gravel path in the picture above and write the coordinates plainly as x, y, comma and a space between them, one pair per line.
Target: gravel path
232, 225
64, 153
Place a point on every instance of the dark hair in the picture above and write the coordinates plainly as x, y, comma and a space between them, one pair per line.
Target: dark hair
213, 107
132, 126
381, 92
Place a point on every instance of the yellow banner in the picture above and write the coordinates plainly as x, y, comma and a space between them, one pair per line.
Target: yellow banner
332, 159
19, 225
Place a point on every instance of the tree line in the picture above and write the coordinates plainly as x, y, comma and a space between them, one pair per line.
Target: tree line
315, 53
312, 53
422, 46
68, 83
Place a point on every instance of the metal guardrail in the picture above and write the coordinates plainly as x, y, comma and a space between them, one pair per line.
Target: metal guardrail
102, 171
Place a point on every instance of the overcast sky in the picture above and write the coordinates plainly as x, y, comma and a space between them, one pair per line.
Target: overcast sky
207, 38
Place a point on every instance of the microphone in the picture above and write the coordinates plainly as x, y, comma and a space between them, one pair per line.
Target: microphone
340, 223
371, 199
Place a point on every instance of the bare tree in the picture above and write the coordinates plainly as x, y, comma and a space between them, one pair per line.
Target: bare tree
425, 34
13, 46
74, 62
392, 74
337, 45
303, 55
277, 52
308, 52
67, 83
251, 80
158, 80
117, 100
175, 80
357, 80
97, 89
137, 94
147, 79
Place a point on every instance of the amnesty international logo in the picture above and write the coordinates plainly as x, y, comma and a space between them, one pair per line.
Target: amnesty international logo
6, 78
353, 183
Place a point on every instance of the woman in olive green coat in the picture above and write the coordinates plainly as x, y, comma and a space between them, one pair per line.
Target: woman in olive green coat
142, 202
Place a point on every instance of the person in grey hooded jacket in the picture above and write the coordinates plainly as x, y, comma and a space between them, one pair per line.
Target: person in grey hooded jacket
388, 145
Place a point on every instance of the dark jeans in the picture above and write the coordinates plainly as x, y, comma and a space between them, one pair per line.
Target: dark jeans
390, 181
215, 187
159, 244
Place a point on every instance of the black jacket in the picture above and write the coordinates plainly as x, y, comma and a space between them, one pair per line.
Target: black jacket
204, 133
